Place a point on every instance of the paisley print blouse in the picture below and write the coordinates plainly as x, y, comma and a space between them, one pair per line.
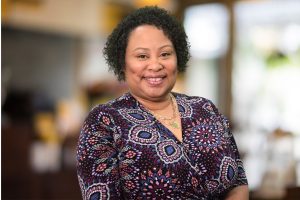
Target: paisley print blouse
125, 153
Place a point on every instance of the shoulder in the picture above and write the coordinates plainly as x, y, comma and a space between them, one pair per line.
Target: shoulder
197, 102
96, 114
201, 108
189, 98
104, 114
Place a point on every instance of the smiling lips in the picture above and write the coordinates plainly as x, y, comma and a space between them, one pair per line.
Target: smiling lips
154, 81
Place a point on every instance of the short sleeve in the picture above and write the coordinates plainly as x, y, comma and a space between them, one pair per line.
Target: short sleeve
241, 178
97, 157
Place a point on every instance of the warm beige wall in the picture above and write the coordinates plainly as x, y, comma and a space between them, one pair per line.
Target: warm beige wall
72, 17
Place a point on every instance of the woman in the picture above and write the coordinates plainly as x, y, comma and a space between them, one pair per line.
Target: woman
152, 143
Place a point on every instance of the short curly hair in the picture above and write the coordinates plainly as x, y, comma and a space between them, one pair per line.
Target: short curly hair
116, 44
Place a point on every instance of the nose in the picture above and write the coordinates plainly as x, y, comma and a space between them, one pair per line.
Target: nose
155, 65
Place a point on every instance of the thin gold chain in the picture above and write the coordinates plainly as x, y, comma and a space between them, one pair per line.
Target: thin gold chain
173, 109
173, 123
167, 120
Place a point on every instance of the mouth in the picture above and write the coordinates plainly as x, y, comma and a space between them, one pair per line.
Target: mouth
154, 81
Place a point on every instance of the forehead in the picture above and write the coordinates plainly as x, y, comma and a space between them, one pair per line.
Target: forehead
147, 33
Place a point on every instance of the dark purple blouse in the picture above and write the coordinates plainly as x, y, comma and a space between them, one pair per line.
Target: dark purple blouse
125, 153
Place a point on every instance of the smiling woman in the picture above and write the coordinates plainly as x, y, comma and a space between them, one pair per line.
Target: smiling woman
152, 143
150, 64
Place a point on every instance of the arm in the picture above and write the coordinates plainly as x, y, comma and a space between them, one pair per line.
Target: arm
238, 193
97, 158
239, 190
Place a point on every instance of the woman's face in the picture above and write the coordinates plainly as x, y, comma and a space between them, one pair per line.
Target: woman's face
150, 63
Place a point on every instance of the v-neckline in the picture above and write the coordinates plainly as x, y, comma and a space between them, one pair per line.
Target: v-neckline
169, 132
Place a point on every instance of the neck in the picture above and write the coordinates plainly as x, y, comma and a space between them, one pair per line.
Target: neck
155, 104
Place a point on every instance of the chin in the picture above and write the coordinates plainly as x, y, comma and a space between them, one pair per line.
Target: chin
158, 95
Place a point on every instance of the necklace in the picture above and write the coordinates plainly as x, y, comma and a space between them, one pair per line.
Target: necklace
169, 120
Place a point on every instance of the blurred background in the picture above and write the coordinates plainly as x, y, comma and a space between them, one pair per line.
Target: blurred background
245, 58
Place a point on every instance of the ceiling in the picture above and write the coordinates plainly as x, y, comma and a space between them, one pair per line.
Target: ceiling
89, 18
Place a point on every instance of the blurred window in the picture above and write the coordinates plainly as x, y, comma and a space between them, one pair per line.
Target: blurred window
266, 80
207, 29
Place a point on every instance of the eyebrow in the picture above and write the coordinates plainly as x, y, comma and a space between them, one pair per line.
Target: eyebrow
146, 49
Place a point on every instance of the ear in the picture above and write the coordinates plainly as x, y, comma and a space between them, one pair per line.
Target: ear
122, 75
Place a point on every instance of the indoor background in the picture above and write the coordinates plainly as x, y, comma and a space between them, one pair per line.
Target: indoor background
245, 58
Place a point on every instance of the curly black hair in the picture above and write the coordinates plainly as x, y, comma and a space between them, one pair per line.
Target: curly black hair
116, 44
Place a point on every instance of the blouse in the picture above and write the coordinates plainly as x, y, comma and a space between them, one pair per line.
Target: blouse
124, 152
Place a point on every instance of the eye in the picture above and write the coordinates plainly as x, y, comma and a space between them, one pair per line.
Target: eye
142, 56
166, 54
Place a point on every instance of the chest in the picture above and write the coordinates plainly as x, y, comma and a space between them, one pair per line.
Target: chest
151, 154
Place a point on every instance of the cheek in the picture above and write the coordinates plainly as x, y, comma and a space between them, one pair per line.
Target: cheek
175, 73
173, 67
132, 71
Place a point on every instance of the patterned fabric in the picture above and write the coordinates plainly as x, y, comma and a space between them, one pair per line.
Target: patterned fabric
125, 153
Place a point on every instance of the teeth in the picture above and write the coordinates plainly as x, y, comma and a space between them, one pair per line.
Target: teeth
154, 80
